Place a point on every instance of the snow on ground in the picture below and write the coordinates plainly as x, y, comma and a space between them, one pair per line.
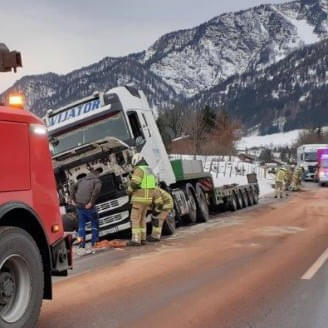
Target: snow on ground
227, 170
270, 140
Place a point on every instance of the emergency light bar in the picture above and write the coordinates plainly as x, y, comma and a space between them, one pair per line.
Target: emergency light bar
16, 101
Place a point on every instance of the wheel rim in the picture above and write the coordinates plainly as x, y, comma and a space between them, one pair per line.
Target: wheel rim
15, 288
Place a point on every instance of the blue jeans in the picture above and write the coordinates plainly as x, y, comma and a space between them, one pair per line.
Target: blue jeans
85, 216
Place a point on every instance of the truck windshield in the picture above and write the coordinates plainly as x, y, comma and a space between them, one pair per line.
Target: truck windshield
113, 126
310, 157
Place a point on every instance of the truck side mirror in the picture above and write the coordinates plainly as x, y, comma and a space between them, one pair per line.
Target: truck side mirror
9, 59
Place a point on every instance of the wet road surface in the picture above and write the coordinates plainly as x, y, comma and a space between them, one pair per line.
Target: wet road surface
241, 269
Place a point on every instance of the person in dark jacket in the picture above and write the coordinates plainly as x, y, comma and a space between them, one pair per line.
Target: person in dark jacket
84, 195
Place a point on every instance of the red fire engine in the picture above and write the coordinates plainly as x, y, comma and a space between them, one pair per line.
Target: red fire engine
32, 243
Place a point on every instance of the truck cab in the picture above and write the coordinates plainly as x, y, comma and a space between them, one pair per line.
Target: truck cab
307, 159
103, 131
32, 244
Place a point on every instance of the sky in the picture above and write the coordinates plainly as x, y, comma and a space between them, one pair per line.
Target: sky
62, 35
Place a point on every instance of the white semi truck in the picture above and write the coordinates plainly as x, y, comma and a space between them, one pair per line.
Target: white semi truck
103, 131
307, 159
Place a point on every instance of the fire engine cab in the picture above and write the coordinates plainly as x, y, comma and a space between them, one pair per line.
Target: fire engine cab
32, 243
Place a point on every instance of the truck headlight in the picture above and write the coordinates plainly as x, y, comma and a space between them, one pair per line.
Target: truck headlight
38, 129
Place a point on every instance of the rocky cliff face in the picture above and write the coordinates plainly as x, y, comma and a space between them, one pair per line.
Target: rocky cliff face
190, 64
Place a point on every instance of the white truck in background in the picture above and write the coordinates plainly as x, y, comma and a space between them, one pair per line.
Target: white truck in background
307, 159
103, 131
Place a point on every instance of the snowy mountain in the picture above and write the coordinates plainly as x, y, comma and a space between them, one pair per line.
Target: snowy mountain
290, 94
196, 59
52, 91
196, 62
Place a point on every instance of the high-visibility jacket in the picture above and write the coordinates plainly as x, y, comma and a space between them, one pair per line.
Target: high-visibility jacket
281, 176
167, 200
290, 176
143, 187
298, 173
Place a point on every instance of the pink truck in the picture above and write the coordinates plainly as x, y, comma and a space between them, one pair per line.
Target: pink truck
322, 168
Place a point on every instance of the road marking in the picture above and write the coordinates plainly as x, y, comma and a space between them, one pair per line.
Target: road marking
309, 274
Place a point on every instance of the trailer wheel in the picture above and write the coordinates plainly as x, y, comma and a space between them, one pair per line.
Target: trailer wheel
251, 197
256, 197
202, 206
191, 217
233, 203
239, 198
169, 225
246, 199
21, 279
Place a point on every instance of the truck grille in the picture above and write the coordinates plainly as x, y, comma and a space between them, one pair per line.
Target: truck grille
311, 169
112, 204
111, 219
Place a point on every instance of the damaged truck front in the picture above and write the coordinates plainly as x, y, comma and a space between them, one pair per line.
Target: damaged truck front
93, 133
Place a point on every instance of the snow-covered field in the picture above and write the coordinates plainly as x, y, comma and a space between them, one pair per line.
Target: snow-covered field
228, 170
270, 140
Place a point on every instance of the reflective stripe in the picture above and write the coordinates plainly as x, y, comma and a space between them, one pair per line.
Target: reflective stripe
136, 179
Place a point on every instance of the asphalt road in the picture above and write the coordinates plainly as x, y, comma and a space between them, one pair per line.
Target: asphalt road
238, 270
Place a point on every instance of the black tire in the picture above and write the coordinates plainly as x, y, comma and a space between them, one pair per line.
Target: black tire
169, 225
240, 200
21, 268
191, 217
246, 199
256, 197
251, 197
202, 206
233, 203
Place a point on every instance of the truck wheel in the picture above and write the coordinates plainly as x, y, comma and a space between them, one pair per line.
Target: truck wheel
233, 203
251, 197
21, 279
242, 199
256, 197
169, 225
202, 206
239, 200
246, 199
191, 217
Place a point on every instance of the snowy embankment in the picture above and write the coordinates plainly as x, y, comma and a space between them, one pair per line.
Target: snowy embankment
270, 141
228, 170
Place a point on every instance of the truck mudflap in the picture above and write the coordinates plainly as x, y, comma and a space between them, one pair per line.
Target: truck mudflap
62, 256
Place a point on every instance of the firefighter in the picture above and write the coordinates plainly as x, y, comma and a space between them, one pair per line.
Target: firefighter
281, 179
290, 173
297, 179
144, 194
159, 216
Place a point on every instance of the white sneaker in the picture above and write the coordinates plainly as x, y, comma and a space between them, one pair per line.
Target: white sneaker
81, 251
90, 250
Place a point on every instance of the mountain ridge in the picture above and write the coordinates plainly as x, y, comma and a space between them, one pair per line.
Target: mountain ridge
185, 64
